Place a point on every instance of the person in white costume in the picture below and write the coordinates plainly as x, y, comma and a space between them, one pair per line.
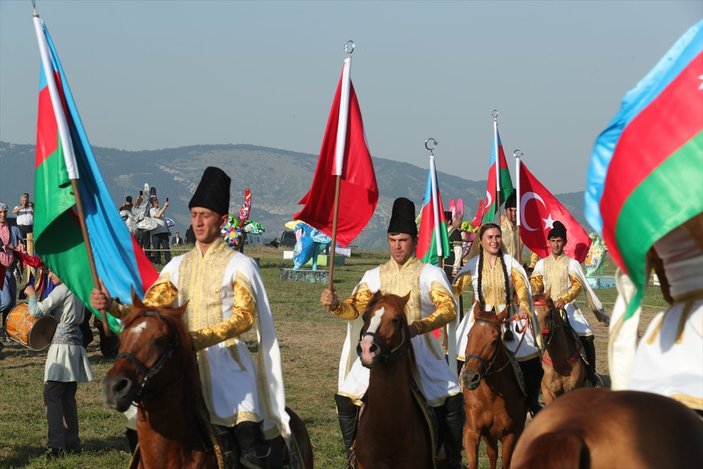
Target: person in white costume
225, 297
563, 278
668, 359
495, 276
431, 306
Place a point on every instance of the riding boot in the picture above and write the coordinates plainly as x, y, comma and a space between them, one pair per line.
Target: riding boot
253, 449
590, 348
451, 427
347, 413
532, 374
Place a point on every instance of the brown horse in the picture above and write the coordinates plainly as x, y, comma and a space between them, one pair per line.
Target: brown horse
564, 369
156, 369
393, 430
597, 427
495, 404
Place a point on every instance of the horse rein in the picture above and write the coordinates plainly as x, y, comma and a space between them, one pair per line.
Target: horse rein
149, 373
555, 325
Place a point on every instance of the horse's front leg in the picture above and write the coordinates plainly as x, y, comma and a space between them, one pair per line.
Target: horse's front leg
548, 384
507, 447
471, 442
492, 451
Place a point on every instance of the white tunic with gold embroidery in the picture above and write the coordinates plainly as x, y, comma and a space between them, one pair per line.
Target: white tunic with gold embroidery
668, 359
559, 276
525, 346
431, 305
225, 297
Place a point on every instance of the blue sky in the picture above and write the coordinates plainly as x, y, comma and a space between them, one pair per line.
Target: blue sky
159, 74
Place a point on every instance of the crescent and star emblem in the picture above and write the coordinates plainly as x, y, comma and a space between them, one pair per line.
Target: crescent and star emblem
526, 197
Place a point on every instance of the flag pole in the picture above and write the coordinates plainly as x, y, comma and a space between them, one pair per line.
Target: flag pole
431, 144
497, 162
67, 145
339, 153
518, 154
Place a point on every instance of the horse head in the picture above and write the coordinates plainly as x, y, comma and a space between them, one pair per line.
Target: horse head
385, 333
154, 346
548, 318
482, 345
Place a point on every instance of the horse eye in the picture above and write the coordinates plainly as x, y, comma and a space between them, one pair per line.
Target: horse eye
160, 342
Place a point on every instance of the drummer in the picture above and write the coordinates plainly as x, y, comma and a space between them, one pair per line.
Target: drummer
66, 365
10, 240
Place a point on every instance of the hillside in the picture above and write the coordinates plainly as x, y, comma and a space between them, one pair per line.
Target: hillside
277, 178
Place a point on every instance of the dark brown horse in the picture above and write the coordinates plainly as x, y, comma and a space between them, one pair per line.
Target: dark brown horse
156, 368
597, 427
495, 405
564, 369
393, 431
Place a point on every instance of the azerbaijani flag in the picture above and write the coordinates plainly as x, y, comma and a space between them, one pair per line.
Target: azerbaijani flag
63, 154
432, 239
646, 172
499, 178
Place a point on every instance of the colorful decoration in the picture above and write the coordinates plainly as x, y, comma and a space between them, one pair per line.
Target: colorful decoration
237, 227
310, 243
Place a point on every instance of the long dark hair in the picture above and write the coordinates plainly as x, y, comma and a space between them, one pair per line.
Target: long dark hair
485, 227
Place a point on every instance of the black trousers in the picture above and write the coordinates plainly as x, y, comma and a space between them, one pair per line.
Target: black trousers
62, 415
160, 241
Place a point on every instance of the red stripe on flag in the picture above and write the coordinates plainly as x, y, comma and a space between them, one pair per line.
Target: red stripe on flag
47, 130
676, 115
146, 269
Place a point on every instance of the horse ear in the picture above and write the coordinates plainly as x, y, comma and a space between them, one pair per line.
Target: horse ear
376, 296
405, 299
477, 309
136, 302
548, 295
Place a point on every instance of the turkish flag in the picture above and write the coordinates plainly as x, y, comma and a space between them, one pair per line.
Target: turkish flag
358, 194
539, 209
478, 217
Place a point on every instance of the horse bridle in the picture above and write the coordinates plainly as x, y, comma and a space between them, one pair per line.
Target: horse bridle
149, 373
387, 354
486, 365
553, 323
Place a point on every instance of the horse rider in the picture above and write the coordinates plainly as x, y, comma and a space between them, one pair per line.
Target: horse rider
668, 360
509, 229
563, 278
224, 297
431, 306
495, 276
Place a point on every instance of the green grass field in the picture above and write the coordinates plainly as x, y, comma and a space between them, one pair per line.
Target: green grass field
310, 341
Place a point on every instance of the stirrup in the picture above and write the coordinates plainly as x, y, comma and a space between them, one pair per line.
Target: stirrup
596, 381
252, 460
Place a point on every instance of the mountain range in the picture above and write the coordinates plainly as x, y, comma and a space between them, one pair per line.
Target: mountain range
278, 179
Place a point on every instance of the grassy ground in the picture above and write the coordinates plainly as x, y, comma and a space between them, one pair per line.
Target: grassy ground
310, 341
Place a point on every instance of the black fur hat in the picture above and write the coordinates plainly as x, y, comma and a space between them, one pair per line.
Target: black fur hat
510, 201
213, 191
403, 217
558, 231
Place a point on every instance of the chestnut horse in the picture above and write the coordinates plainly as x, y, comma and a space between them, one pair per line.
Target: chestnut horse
393, 431
156, 368
564, 368
495, 404
597, 427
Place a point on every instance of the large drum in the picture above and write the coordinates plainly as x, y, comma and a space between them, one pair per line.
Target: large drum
33, 333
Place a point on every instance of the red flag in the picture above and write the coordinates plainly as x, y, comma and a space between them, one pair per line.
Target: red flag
358, 193
539, 209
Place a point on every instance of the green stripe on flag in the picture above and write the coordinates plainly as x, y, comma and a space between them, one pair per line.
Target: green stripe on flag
669, 196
